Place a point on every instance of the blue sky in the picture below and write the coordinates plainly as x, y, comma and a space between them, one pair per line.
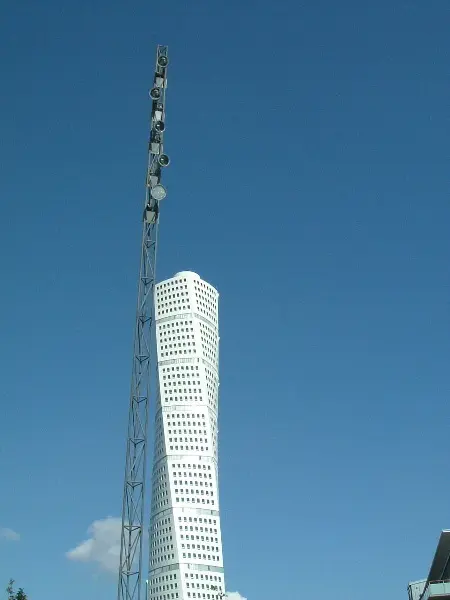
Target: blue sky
309, 184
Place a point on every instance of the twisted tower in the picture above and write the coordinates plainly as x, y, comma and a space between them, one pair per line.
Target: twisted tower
185, 538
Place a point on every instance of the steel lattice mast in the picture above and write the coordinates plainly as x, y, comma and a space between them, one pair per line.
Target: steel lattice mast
130, 568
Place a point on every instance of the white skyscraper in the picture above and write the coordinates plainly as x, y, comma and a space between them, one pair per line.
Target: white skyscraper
185, 539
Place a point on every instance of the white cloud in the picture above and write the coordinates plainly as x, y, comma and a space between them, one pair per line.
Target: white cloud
235, 596
103, 545
9, 534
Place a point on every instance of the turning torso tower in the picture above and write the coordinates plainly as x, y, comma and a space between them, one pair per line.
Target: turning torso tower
185, 539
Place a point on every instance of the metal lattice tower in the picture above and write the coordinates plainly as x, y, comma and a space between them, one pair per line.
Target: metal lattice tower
130, 568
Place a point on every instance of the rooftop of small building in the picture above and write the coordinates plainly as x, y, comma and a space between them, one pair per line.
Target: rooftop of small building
441, 558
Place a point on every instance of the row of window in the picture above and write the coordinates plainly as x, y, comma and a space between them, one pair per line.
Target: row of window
200, 547
201, 492
157, 506
203, 586
166, 311
212, 381
208, 327
203, 304
177, 345
172, 305
181, 378
171, 283
183, 398
162, 578
203, 595
190, 528
209, 356
207, 596
186, 439
179, 466
207, 299
160, 493
163, 339
154, 560
212, 344
159, 559
160, 433
177, 323
166, 345
172, 294
174, 327
206, 303
162, 523
186, 432
159, 471
205, 289
177, 385
186, 372
184, 448
160, 589
212, 391
186, 416
177, 352
180, 390
161, 536
207, 577
200, 556
161, 550
188, 500
209, 330
159, 528
195, 473
205, 483
160, 540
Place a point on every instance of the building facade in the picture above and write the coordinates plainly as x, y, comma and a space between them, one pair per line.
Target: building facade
437, 584
185, 537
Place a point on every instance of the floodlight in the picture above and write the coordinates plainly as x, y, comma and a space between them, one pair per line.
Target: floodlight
155, 93
164, 160
158, 192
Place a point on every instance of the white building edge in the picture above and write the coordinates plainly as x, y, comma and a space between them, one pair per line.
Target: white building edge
185, 558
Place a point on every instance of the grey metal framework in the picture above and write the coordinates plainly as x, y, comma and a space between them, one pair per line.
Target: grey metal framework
130, 568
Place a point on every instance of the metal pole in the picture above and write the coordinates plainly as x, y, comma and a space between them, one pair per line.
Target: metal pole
130, 567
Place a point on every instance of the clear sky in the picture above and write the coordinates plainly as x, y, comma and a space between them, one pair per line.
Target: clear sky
309, 183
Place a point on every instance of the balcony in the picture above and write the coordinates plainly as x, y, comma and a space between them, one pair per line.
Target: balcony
437, 590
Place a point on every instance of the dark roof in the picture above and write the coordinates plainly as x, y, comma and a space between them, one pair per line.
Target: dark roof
441, 557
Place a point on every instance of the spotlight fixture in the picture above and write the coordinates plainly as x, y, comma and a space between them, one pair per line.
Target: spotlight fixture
163, 160
158, 192
155, 93
159, 126
163, 61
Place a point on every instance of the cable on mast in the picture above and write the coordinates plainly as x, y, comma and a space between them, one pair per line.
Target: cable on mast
130, 566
